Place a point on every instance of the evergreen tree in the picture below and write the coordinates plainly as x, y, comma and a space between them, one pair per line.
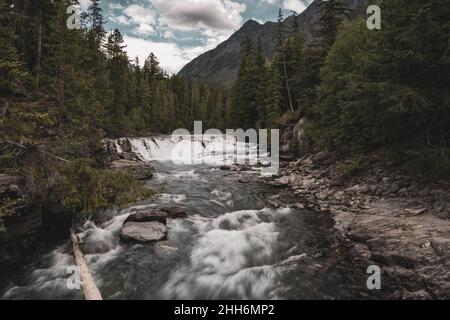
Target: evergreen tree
382, 88
95, 22
280, 60
12, 73
245, 110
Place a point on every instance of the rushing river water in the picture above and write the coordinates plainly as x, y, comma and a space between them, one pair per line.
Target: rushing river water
230, 247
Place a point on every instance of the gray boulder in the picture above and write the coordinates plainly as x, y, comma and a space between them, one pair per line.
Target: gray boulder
144, 232
151, 215
175, 212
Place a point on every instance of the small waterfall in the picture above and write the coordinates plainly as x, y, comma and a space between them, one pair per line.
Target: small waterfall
220, 251
187, 150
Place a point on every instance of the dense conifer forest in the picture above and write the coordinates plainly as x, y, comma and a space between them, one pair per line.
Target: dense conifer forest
360, 90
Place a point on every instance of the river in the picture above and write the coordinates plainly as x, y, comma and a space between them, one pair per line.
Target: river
231, 246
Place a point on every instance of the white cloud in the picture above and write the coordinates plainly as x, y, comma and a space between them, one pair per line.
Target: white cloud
116, 6
144, 18
140, 15
215, 20
295, 5
208, 21
171, 56
144, 29
168, 35
187, 15
268, 1
121, 20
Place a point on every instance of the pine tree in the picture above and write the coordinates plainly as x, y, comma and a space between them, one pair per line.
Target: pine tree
382, 88
333, 14
95, 21
260, 83
272, 100
245, 110
12, 73
118, 72
280, 59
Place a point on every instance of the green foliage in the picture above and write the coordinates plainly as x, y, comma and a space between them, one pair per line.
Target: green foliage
350, 168
8, 158
379, 88
88, 189
12, 73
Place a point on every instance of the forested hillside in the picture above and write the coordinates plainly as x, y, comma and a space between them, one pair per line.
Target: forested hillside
88, 75
358, 90
63, 89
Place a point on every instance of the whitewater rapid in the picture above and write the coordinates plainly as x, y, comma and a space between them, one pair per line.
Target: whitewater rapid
231, 246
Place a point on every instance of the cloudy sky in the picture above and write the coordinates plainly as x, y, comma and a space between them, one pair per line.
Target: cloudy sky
179, 30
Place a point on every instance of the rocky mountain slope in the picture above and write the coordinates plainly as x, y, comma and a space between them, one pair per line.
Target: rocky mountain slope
221, 64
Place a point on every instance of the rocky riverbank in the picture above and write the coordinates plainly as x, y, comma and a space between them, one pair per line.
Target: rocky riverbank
387, 219
30, 218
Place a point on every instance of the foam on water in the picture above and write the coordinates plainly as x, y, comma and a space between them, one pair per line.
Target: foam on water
177, 198
49, 280
233, 258
207, 149
100, 245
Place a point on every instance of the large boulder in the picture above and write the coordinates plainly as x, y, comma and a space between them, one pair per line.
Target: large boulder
175, 212
150, 215
144, 232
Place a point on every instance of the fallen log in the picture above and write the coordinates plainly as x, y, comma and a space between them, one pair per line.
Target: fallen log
21, 146
88, 286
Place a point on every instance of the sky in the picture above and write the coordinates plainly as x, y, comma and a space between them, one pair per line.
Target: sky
177, 31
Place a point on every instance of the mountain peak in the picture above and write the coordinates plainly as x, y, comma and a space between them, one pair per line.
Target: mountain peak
250, 24
221, 64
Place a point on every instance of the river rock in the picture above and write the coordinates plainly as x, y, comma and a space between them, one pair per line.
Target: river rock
441, 246
394, 188
278, 184
406, 295
424, 192
376, 244
403, 192
136, 170
151, 215
359, 251
416, 211
174, 212
145, 232
444, 211
321, 157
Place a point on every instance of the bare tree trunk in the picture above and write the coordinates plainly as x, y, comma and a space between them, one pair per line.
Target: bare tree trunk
287, 84
21, 146
88, 286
